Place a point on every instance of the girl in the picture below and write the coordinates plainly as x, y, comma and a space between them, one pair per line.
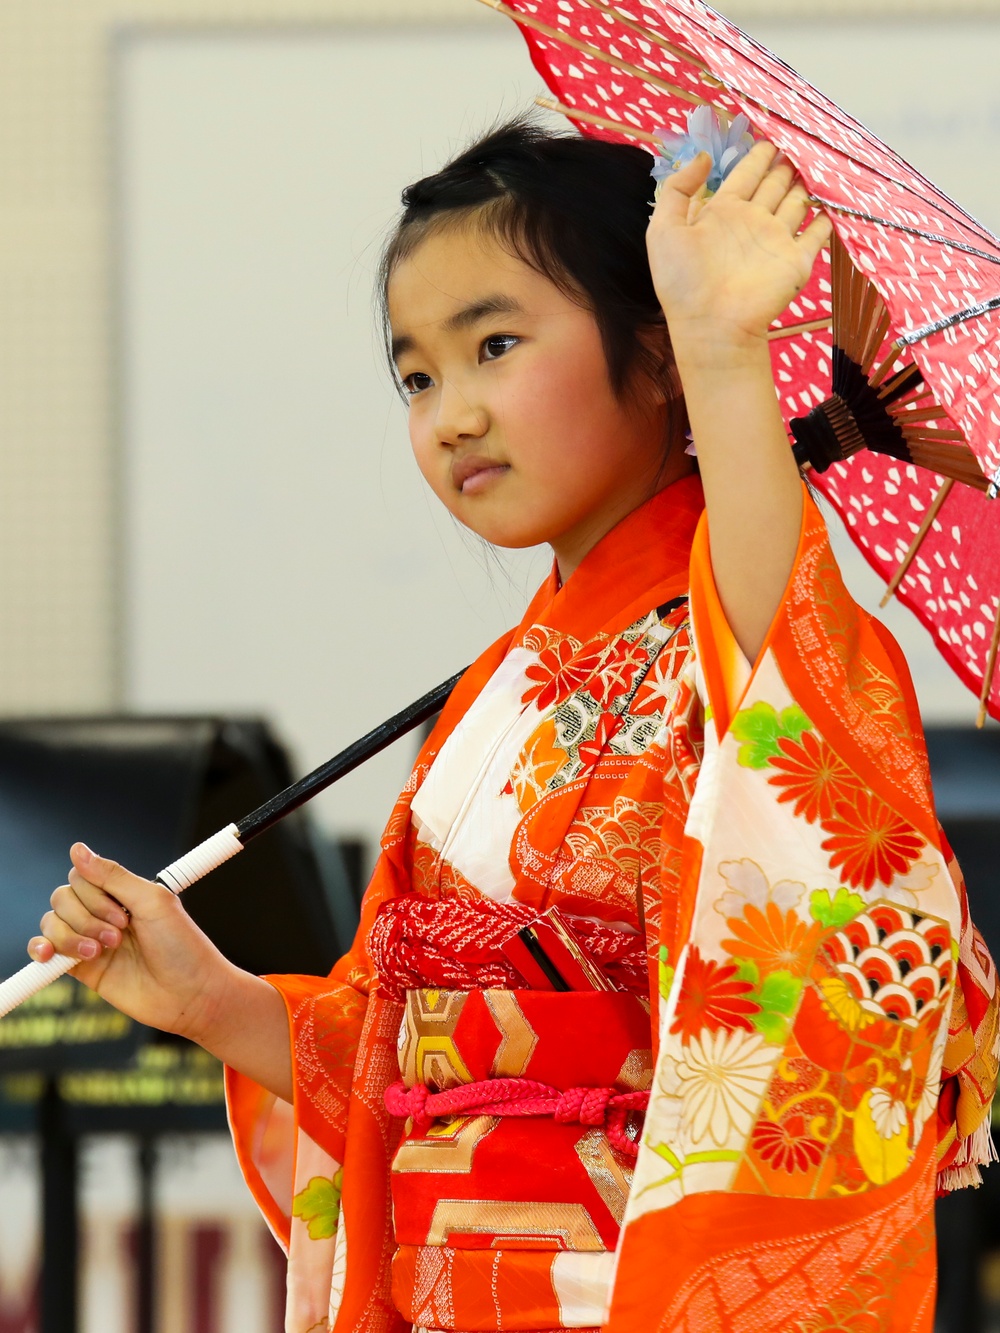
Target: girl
695, 746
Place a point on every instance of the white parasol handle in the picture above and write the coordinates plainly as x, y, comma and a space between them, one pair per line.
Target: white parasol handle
179, 875
31, 979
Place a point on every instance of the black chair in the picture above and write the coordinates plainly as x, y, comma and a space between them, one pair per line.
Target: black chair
142, 791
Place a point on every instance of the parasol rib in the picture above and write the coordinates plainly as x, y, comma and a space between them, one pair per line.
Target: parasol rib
925, 527
910, 231
595, 53
655, 81
991, 666
650, 35
810, 326
823, 104
737, 93
601, 122
949, 321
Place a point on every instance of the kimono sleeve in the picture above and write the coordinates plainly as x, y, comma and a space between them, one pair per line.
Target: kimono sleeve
293, 1155
824, 960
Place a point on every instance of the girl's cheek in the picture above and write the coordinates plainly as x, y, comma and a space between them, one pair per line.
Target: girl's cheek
432, 461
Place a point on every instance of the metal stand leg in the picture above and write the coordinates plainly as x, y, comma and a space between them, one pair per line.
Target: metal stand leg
145, 1247
60, 1226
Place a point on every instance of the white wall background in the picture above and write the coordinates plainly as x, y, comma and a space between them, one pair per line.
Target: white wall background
280, 552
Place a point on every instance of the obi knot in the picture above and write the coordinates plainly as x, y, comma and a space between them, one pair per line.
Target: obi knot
587, 1105
597, 1107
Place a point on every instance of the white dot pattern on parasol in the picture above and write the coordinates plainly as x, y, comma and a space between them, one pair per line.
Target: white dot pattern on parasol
934, 268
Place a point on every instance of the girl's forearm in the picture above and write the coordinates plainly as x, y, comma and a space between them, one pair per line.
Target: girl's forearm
753, 494
246, 1026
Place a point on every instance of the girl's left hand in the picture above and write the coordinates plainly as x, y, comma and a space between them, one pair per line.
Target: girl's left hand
725, 268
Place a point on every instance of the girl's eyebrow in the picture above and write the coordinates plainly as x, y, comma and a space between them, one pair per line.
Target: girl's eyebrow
465, 317
497, 304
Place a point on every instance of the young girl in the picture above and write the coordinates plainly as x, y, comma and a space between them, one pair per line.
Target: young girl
695, 746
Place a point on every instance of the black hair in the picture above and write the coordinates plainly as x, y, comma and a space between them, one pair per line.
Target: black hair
575, 210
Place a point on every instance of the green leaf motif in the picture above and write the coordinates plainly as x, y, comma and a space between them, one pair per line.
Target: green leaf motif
778, 996
780, 993
748, 970
835, 912
319, 1206
760, 728
772, 1027
664, 976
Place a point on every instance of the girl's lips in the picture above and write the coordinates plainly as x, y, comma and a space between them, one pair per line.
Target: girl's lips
472, 475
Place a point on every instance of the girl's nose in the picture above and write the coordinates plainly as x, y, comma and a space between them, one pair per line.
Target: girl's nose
458, 417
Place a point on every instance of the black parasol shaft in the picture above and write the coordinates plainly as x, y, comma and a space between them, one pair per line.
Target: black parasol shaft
204, 858
376, 740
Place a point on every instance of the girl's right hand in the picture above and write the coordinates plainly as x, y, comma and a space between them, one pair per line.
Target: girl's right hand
139, 949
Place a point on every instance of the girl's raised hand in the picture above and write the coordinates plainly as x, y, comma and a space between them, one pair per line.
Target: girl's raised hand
725, 268
138, 947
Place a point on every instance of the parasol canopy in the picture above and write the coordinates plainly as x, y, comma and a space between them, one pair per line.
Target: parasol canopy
888, 363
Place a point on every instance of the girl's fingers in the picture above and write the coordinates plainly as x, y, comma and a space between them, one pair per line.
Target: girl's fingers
68, 941
794, 208
73, 913
816, 236
745, 178
41, 949
97, 901
128, 890
679, 188
775, 188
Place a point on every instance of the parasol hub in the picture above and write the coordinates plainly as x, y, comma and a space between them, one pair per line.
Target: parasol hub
855, 416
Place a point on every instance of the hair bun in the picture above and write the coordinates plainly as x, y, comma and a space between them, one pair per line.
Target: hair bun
420, 192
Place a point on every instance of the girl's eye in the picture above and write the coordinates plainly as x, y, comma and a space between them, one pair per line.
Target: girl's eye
497, 344
416, 382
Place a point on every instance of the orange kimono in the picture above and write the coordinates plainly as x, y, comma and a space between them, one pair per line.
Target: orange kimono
819, 1039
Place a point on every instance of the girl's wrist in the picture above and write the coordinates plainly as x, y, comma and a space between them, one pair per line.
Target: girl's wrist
211, 1016
714, 345
704, 353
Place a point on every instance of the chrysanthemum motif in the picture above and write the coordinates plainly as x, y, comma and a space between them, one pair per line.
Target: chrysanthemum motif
811, 775
882, 1138
774, 940
785, 1145
843, 1004
869, 842
888, 1115
712, 996
721, 1079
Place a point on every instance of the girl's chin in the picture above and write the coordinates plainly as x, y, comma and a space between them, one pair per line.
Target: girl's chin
511, 536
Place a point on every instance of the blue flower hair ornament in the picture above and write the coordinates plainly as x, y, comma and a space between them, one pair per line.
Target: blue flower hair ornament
705, 134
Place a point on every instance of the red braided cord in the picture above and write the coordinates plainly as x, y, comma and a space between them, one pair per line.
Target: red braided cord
521, 1097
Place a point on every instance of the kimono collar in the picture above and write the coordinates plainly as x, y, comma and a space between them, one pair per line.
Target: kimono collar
640, 564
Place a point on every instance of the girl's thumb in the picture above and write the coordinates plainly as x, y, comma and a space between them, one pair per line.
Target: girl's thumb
130, 890
680, 187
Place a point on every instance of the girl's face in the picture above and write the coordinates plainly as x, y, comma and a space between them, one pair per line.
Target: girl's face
512, 417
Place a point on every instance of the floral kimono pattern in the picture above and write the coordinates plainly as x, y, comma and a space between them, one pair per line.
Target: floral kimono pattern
822, 1047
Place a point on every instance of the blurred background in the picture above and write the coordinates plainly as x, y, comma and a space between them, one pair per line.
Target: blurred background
218, 564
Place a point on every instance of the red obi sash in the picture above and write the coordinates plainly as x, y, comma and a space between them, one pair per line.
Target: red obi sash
533, 1182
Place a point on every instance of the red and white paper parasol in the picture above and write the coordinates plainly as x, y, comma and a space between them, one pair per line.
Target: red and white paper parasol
888, 363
